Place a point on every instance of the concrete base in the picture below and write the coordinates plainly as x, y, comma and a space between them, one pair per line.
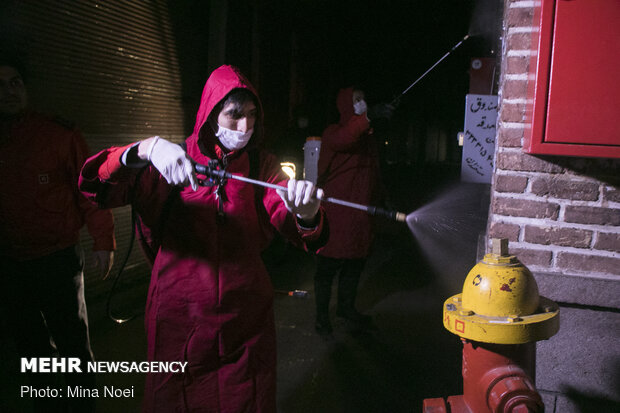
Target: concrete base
578, 369
579, 290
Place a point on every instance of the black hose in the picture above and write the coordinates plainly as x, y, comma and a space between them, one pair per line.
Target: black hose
120, 272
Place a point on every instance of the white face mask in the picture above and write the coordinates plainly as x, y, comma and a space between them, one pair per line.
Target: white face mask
232, 139
360, 107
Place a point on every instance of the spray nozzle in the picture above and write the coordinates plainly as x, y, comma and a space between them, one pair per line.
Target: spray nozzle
395, 215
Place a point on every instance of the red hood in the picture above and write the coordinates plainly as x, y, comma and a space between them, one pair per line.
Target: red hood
223, 80
344, 102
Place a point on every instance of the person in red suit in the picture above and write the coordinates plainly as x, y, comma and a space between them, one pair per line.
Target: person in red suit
41, 213
210, 300
348, 169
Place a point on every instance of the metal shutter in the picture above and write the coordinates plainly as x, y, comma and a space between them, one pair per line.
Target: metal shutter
111, 67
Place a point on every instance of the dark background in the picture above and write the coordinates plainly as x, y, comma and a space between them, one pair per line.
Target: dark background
299, 53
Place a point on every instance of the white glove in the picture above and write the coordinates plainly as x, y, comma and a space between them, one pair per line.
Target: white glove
300, 199
103, 260
170, 160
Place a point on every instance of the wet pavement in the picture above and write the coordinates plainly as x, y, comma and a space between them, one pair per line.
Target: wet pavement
390, 369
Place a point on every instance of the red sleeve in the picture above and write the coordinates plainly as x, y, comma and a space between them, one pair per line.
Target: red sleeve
102, 171
106, 182
345, 137
315, 238
99, 222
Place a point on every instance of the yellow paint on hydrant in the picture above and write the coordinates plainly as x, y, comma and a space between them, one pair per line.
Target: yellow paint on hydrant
500, 303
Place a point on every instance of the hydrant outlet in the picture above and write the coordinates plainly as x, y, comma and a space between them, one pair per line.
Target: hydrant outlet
511, 388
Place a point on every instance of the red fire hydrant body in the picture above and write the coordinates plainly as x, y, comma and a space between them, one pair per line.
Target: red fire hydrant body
499, 317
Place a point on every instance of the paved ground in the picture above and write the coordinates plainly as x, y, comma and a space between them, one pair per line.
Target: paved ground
408, 358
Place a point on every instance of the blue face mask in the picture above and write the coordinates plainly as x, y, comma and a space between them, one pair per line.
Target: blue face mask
232, 139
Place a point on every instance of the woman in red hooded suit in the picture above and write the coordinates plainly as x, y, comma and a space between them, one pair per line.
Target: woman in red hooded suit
348, 169
210, 300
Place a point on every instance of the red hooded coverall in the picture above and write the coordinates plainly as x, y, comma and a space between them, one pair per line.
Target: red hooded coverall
210, 301
349, 169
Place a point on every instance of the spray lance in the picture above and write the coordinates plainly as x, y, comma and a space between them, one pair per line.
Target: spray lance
220, 175
397, 98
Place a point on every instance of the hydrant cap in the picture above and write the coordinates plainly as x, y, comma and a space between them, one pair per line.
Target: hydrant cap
500, 286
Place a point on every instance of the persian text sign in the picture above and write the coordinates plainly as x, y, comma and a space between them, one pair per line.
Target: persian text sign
479, 139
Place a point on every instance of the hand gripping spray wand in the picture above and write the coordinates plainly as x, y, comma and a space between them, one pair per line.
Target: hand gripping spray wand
219, 175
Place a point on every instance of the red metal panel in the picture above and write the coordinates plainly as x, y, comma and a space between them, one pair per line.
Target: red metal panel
576, 93
584, 92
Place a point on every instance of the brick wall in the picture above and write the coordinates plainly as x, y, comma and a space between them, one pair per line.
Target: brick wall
561, 214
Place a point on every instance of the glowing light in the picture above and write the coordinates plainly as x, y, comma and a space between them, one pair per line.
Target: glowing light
289, 169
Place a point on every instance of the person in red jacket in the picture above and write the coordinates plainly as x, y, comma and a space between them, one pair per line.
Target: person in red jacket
348, 168
41, 213
210, 301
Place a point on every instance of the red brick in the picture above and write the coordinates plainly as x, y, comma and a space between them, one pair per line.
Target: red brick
525, 208
510, 137
524, 162
519, 16
565, 188
608, 241
517, 65
514, 89
512, 112
565, 237
532, 257
611, 194
518, 41
590, 263
510, 183
592, 215
503, 230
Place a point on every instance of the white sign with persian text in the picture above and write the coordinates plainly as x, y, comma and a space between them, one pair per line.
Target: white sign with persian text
479, 139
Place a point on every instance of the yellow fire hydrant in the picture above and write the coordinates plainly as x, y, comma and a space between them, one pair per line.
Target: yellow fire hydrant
499, 317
